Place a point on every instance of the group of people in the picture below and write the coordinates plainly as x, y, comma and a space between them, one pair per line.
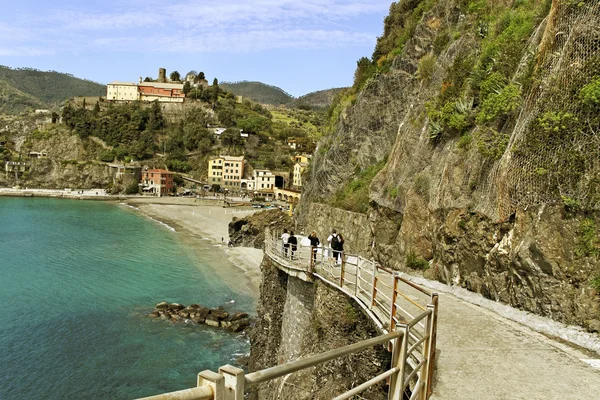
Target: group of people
335, 245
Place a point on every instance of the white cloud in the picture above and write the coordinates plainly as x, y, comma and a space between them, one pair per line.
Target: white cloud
198, 26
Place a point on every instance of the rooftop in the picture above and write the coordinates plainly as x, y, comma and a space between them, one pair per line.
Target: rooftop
122, 83
162, 85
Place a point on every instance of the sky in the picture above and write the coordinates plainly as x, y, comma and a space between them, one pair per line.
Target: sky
300, 46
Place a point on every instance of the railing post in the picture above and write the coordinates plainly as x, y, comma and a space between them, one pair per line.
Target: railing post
425, 369
342, 270
215, 381
311, 264
394, 296
399, 361
432, 348
234, 382
374, 285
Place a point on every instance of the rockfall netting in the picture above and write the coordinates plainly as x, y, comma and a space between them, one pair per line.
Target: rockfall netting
553, 154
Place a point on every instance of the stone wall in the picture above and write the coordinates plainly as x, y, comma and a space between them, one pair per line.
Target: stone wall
298, 319
322, 218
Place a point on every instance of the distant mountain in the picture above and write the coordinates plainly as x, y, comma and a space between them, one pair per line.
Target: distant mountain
259, 92
319, 99
24, 87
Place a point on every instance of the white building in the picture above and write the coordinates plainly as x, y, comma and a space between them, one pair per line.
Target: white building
122, 91
264, 180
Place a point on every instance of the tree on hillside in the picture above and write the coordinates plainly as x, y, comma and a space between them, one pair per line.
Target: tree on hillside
147, 79
193, 75
231, 138
201, 76
156, 121
175, 76
215, 91
187, 87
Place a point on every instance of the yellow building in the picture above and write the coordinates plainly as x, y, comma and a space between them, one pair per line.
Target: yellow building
226, 171
299, 169
122, 91
301, 159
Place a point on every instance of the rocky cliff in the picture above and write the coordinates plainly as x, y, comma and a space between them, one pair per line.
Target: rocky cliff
298, 319
468, 150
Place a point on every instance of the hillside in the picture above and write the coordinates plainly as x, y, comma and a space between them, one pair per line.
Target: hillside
320, 99
29, 87
14, 101
469, 143
259, 92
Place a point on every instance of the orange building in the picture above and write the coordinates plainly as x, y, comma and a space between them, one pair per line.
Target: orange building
157, 181
163, 92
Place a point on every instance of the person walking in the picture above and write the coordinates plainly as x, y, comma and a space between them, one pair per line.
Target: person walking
330, 239
293, 244
285, 236
340, 249
314, 244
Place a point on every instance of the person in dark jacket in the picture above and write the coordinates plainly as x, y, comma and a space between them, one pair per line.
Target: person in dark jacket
339, 253
314, 244
293, 243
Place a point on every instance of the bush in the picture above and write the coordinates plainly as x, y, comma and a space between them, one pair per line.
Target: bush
499, 104
427, 67
132, 188
415, 262
107, 156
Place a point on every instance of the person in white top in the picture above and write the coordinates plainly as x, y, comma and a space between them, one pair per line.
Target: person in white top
329, 239
284, 240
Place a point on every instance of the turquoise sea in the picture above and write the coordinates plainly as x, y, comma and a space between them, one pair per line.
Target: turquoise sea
77, 279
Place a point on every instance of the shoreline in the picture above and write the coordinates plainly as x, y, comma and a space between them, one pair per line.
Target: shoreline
204, 219
196, 222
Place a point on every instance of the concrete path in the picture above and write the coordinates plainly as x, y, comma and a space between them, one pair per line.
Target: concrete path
482, 355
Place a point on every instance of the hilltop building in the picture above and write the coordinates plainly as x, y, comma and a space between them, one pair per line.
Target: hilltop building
163, 91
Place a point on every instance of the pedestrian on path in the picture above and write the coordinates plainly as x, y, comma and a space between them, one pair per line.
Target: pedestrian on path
330, 239
340, 249
293, 244
285, 236
314, 244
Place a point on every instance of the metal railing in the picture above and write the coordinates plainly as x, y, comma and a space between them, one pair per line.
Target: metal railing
405, 313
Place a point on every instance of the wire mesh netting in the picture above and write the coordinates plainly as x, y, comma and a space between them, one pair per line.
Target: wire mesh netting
554, 150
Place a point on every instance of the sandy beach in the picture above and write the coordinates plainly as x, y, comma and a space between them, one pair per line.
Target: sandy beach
196, 221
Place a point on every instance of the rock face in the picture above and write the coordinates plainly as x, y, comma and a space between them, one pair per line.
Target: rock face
215, 317
507, 208
250, 231
299, 319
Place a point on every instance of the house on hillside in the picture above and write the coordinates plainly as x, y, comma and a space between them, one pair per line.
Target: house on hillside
299, 169
38, 154
157, 181
226, 171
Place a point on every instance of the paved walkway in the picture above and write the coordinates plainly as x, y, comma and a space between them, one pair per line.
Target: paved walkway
485, 356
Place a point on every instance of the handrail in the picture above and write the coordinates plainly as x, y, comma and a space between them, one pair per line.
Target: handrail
197, 393
375, 289
281, 370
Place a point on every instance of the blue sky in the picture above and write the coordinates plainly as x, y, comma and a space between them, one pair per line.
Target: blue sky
300, 46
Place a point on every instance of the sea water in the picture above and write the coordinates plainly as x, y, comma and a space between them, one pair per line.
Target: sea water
77, 280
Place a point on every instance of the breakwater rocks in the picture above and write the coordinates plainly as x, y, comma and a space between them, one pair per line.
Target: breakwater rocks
215, 317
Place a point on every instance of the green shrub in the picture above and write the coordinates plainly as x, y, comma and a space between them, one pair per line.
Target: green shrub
588, 242
426, 67
500, 104
595, 283
354, 196
413, 261
465, 141
421, 186
491, 143
107, 156
590, 93
132, 188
